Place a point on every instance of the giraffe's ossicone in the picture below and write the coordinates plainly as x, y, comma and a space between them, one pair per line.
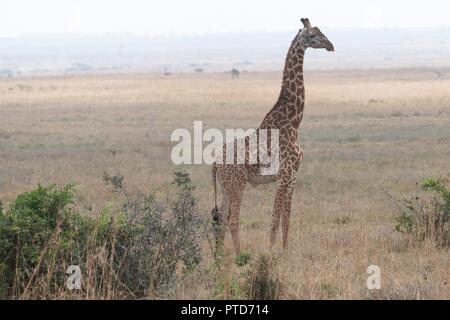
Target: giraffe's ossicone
286, 115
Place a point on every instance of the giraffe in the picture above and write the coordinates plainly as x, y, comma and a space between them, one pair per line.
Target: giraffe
286, 115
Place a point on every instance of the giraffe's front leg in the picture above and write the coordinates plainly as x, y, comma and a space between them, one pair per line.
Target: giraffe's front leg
283, 198
285, 216
278, 209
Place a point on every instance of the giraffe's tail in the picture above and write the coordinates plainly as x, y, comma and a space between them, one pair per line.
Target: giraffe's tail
214, 181
217, 225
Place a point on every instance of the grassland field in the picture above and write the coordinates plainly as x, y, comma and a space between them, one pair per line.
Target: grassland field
365, 133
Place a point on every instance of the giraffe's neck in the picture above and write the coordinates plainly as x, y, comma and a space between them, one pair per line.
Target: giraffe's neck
288, 111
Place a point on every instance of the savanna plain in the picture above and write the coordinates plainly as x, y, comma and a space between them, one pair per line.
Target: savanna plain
369, 137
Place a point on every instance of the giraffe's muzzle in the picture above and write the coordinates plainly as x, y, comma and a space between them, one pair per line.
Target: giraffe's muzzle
328, 45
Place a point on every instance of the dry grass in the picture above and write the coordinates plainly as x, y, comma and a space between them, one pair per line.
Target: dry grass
364, 132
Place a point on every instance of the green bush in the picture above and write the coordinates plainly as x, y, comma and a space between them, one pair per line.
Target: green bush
37, 232
443, 202
161, 236
425, 218
132, 251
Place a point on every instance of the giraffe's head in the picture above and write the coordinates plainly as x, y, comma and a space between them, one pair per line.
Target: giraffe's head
312, 37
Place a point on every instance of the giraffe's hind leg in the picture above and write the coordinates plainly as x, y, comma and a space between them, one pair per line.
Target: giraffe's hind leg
232, 181
235, 208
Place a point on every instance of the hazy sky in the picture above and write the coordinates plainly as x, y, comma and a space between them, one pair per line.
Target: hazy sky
204, 16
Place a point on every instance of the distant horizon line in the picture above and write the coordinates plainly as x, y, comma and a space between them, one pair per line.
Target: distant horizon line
196, 34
